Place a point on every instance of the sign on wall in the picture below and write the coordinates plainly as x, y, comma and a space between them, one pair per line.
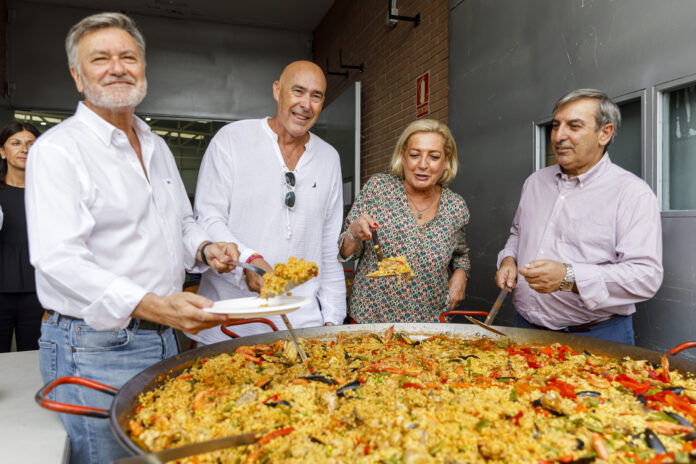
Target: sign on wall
423, 95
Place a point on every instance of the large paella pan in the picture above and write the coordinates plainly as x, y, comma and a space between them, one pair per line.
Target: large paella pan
417, 393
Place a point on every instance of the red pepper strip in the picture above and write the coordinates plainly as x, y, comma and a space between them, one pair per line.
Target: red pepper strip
637, 387
668, 398
413, 385
276, 433
273, 398
564, 388
516, 418
660, 458
185, 377
366, 450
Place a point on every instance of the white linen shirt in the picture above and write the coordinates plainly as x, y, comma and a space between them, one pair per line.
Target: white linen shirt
240, 198
101, 235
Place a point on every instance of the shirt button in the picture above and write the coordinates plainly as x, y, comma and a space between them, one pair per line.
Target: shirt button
172, 253
562, 197
541, 252
550, 224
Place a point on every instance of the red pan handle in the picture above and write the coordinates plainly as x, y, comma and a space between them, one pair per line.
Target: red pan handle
261, 320
461, 313
43, 401
679, 348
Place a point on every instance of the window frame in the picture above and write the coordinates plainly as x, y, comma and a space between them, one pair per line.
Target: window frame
659, 92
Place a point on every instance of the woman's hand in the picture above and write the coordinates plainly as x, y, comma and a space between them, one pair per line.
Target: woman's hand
457, 288
360, 229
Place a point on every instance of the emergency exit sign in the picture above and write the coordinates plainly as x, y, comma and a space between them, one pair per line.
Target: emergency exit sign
423, 95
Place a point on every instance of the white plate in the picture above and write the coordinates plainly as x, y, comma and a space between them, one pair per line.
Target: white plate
251, 307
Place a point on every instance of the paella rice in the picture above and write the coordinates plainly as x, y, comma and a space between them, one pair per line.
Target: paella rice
295, 270
388, 398
393, 265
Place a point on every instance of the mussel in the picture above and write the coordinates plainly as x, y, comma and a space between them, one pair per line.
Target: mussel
654, 442
580, 445
680, 420
315, 440
461, 359
354, 385
675, 390
273, 404
589, 393
536, 431
319, 378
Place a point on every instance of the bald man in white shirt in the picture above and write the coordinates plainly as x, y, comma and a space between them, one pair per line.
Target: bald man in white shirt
275, 189
111, 232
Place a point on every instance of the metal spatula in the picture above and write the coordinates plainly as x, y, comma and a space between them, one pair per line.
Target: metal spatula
261, 272
492, 313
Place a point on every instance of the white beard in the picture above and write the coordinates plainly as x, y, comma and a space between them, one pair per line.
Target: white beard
103, 97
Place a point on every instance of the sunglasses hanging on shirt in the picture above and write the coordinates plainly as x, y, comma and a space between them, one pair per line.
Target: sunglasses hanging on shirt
290, 189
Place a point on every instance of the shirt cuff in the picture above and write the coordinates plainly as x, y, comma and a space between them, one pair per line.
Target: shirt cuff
355, 255
114, 309
591, 286
504, 254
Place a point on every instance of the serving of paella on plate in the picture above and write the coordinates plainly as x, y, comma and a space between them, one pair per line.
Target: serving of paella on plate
388, 398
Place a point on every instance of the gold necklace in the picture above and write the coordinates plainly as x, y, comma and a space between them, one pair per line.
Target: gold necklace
420, 211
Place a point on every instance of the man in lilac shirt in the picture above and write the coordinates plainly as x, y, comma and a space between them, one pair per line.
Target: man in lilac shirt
586, 243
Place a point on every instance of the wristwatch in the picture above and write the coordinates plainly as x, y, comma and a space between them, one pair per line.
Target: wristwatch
569, 279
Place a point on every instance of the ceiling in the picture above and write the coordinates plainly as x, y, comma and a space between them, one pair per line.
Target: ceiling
293, 15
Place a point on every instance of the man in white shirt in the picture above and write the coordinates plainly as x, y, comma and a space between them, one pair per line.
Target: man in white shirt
111, 232
275, 189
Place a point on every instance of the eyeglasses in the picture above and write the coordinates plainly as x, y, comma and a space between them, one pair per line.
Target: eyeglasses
290, 186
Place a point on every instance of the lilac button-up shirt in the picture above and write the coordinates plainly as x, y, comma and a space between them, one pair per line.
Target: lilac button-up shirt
606, 223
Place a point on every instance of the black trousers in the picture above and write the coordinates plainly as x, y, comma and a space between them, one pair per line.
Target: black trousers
20, 313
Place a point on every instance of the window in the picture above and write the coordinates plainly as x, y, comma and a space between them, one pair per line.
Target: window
187, 140
679, 149
624, 151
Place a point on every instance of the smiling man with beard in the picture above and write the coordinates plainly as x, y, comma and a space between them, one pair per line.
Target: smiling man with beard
275, 189
111, 233
587, 233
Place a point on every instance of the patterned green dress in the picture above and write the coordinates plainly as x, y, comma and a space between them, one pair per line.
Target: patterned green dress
433, 250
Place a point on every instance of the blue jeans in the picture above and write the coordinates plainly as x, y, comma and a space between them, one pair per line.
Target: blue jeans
71, 347
618, 329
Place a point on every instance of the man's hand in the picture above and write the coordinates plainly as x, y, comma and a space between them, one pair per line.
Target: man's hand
253, 280
544, 275
457, 288
181, 311
507, 274
219, 254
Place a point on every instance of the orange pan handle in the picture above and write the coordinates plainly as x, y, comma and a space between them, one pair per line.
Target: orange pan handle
43, 401
260, 320
679, 348
458, 312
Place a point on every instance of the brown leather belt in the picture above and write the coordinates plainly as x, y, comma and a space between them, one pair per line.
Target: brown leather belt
140, 324
586, 327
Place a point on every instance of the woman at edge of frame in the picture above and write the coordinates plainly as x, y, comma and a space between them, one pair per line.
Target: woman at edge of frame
20, 310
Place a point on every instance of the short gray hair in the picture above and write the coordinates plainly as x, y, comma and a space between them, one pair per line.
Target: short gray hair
607, 111
101, 21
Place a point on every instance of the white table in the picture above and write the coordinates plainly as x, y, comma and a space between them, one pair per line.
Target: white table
30, 434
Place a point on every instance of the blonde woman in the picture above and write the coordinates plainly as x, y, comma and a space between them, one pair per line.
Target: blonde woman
417, 216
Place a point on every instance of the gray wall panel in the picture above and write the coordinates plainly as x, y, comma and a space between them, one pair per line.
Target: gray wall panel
195, 69
509, 61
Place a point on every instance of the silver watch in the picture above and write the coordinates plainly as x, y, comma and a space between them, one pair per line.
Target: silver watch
569, 280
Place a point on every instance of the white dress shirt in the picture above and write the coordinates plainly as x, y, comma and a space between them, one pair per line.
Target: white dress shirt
1, 218
240, 198
101, 235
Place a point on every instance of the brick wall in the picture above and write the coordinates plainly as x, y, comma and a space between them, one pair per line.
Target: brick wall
393, 60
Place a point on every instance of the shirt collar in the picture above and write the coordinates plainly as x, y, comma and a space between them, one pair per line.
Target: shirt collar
103, 129
596, 171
